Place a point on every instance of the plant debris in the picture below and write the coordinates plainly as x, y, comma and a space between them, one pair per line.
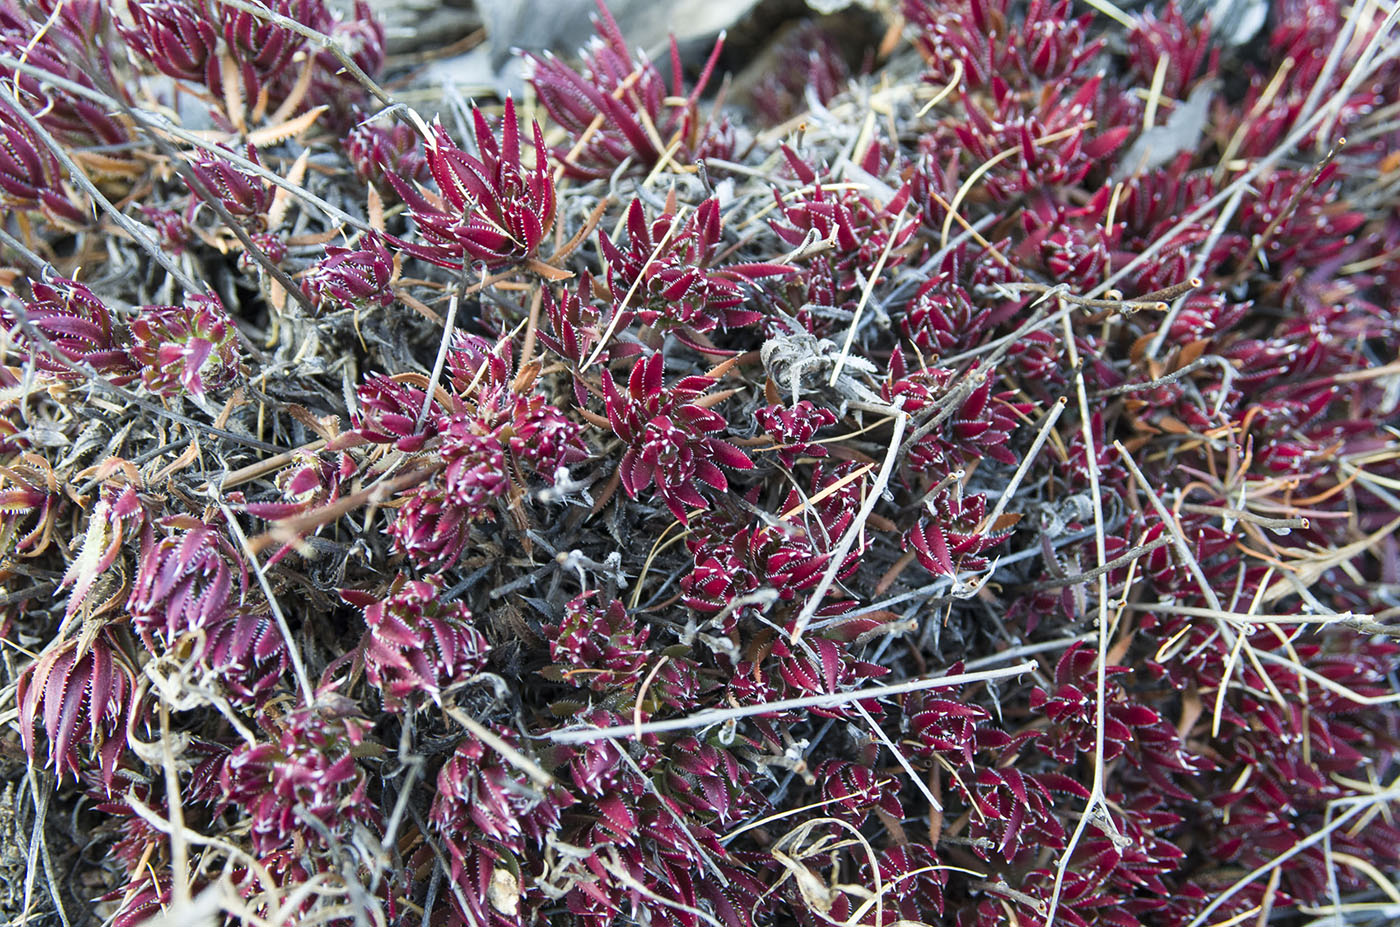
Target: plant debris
962, 493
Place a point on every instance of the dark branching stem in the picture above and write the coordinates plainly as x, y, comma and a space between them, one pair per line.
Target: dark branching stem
24, 595
97, 381
1113, 564
951, 402
320, 38
38, 263
1175, 375
204, 193
1256, 247
136, 230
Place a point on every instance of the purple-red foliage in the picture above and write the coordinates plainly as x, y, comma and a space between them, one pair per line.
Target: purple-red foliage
668, 271
31, 178
80, 326
177, 38
489, 208
599, 646
236, 55
809, 63
538, 550
415, 644
358, 278
83, 693
188, 579
191, 348
379, 152
669, 437
305, 784
247, 653
619, 107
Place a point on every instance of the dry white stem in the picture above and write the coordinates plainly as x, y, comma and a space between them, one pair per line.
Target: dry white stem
838, 555
1353, 805
1114, 13
650, 786
1027, 650
778, 816
179, 851
1301, 131
138, 232
895, 231
619, 872
1183, 549
1094, 809
1198, 267
448, 328
1329, 684
900, 758
1154, 97
632, 290
308, 693
1359, 621
153, 122
714, 716
1369, 60
1046, 424
332, 45
953, 83
517, 759
194, 838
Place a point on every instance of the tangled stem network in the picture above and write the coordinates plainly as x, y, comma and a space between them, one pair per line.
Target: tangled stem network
963, 491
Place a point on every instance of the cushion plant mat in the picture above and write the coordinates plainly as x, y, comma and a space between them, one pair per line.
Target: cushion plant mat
958, 488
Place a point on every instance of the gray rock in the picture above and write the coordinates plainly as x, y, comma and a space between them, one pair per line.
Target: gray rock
1182, 132
565, 25
414, 25
827, 7
1234, 22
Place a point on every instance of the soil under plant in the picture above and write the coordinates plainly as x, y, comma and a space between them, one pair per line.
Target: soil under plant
959, 489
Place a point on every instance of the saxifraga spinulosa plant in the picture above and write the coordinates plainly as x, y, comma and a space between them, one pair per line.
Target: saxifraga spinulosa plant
963, 493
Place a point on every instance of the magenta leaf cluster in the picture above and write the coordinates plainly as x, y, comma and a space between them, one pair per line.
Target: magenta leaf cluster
937, 468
